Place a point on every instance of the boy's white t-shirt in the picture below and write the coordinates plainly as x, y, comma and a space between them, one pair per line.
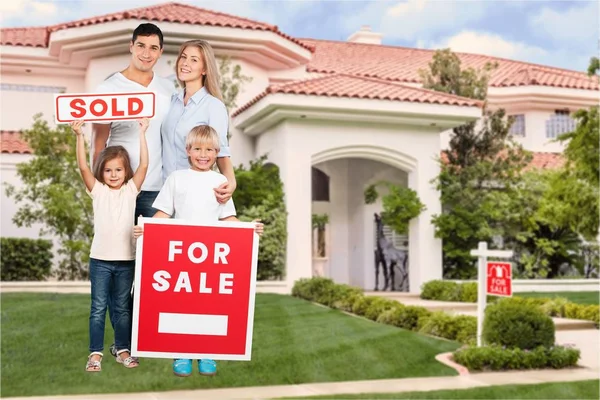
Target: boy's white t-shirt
189, 195
113, 222
126, 133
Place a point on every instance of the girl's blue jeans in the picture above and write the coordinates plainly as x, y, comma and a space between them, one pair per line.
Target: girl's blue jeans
111, 279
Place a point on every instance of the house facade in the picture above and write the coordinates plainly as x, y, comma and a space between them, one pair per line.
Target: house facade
335, 117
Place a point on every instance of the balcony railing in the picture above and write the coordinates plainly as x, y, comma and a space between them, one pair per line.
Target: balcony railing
559, 124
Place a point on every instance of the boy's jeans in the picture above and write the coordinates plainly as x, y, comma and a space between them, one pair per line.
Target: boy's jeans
114, 279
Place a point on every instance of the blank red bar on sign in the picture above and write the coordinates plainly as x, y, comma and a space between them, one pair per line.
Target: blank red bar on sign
193, 324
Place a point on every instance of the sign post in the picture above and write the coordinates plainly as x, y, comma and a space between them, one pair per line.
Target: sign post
483, 253
194, 290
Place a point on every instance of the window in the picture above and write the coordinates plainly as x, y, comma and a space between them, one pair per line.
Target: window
518, 126
320, 185
560, 122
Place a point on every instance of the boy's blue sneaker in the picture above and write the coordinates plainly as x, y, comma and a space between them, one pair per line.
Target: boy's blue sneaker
182, 367
207, 367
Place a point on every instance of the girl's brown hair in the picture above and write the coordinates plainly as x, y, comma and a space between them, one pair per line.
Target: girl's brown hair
108, 154
211, 80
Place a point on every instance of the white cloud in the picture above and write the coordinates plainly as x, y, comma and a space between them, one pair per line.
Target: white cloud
497, 46
42, 8
426, 19
577, 26
490, 44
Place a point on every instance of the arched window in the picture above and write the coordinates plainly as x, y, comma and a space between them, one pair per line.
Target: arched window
320, 185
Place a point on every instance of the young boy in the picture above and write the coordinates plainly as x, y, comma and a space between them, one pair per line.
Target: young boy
188, 194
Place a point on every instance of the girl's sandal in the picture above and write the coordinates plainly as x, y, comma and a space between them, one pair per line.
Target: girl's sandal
94, 365
129, 362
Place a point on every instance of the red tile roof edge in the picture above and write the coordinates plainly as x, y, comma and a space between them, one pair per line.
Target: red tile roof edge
279, 88
12, 143
130, 14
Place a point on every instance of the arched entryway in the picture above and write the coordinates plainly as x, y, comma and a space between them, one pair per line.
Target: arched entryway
343, 174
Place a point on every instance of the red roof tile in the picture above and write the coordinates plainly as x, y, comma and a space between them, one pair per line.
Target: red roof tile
12, 143
341, 85
28, 37
539, 160
402, 64
169, 12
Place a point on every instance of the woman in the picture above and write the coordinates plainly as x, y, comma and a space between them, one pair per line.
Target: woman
199, 103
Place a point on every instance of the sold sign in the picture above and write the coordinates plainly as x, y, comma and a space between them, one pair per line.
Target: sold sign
103, 107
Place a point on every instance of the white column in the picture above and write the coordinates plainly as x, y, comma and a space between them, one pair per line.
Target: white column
296, 177
425, 250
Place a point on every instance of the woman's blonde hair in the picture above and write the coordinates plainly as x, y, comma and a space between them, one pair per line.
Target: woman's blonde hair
211, 80
202, 134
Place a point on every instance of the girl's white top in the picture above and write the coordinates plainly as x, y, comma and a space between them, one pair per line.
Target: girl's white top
114, 212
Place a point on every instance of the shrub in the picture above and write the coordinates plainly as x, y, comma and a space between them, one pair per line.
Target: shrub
314, 289
362, 304
407, 317
468, 292
462, 328
343, 296
378, 306
580, 311
555, 307
24, 259
440, 290
513, 323
499, 358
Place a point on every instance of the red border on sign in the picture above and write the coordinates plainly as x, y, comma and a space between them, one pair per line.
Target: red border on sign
105, 94
243, 353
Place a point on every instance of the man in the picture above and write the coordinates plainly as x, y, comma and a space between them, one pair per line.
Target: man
146, 47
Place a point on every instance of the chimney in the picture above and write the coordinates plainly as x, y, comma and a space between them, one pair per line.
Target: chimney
364, 35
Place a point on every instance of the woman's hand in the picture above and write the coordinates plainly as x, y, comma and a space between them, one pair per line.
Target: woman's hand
259, 227
76, 126
138, 231
224, 192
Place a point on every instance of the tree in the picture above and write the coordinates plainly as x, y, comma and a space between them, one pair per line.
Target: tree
232, 80
478, 172
52, 194
259, 195
400, 205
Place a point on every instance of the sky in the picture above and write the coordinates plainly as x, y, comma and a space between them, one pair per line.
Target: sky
558, 33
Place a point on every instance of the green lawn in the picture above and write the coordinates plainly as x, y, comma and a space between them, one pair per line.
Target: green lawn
575, 297
559, 390
45, 340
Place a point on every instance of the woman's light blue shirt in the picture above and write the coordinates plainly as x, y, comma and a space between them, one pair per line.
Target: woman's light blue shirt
201, 109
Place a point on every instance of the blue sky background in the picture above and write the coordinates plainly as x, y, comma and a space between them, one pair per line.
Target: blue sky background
558, 33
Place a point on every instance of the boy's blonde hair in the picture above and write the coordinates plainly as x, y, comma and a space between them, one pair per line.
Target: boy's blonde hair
203, 134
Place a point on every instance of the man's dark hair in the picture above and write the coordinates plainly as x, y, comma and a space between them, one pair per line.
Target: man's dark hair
148, 30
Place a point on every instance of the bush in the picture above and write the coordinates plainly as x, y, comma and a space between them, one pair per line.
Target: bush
462, 328
362, 304
406, 317
580, 311
498, 358
24, 259
378, 306
468, 292
315, 289
343, 296
514, 323
555, 307
440, 290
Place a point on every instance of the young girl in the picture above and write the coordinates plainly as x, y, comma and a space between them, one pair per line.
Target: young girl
189, 194
113, 187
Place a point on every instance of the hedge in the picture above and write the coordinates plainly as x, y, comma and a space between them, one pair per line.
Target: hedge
467, 292
461, 328
23, 259
497, 358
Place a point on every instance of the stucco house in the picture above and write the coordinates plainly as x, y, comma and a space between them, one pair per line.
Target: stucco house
345, 113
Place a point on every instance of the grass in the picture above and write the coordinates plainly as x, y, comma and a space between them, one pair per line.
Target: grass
45, 340
559, 390
575, 297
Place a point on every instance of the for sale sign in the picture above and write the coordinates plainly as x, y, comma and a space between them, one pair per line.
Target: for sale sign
499, 279
194, 290
103, 107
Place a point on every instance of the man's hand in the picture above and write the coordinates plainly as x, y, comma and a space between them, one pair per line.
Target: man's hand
224, 192
259, 227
